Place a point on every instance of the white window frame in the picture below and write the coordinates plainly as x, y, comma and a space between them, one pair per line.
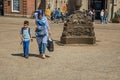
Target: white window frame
15, 10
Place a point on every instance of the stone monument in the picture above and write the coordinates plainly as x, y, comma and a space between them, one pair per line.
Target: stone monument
78, 28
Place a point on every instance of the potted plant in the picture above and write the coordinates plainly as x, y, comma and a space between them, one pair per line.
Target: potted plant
116, 18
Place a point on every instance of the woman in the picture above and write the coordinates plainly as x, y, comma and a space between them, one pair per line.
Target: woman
42, 32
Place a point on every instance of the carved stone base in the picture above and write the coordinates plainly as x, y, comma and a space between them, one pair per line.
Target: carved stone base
78, 40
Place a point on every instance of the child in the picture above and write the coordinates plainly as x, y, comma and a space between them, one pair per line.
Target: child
25, 35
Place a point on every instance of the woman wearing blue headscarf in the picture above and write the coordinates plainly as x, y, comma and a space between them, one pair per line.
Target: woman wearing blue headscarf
42, 32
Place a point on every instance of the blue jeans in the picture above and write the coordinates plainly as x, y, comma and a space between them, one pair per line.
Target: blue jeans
42, 48
26, 47
105, 19
55, 19
102, 19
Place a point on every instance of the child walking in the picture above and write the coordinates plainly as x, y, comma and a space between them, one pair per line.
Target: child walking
25, 35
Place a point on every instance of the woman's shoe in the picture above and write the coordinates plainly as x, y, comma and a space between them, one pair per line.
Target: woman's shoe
43, 56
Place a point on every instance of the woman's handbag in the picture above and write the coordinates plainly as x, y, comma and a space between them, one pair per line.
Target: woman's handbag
50, 45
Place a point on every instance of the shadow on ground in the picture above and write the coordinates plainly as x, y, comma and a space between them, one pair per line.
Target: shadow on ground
61, 44
58, 43
30, 55
22, 55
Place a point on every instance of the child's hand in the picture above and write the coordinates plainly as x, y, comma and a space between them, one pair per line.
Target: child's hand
21, 42
21, 37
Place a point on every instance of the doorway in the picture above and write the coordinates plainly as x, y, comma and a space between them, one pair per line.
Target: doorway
98, 5
1, 8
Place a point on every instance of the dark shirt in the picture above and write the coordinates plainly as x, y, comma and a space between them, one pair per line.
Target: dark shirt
105, 14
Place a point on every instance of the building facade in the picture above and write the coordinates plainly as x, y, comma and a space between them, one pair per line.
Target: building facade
111, 6
27, 7
52, 4
22, 8
1, 7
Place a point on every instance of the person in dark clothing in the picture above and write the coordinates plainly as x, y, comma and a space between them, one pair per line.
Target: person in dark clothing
105, 16
93, 15
1, 8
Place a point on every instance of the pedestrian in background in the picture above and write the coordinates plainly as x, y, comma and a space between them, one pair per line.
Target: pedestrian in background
90, 13
102, 16
56, 16
93, 15
25, 35
42, 32
52, 15
48, 13
105, 16
1, 8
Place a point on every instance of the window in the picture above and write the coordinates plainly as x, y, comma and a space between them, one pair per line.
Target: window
15, 5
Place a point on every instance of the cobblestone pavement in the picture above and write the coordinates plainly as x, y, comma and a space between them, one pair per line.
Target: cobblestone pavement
68, 62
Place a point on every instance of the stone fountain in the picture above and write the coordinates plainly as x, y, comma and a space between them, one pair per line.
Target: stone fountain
78, 28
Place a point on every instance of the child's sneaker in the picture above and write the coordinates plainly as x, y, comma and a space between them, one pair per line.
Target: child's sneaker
26, 57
